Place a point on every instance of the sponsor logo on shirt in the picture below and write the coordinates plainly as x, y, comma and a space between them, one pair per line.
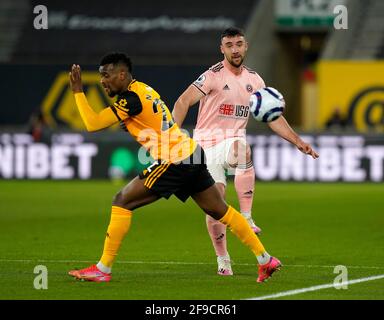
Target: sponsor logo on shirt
226, 109
238, 111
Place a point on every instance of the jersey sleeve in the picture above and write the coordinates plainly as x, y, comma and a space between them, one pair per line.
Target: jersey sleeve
128, 104
260, 82
205, 82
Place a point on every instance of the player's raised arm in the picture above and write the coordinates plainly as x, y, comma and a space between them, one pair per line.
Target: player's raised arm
93, 121
187, 99
283, 129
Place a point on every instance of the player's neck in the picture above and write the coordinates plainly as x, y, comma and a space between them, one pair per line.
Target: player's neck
233, 69
131, 80
125, 85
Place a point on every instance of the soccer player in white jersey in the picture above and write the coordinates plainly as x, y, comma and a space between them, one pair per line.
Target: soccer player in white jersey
224, 91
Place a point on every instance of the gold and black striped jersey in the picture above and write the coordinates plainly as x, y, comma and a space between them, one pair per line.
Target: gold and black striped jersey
145, 116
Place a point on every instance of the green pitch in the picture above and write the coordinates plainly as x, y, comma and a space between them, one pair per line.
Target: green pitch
311, 228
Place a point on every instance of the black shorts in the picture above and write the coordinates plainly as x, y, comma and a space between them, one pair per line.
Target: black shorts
188, 177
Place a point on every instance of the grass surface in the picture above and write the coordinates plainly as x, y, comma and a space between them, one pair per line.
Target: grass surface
167, 253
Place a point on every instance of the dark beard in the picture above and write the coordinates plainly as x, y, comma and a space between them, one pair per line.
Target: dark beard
237, 65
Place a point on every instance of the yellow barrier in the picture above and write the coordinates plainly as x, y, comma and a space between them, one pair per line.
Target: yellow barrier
356, 90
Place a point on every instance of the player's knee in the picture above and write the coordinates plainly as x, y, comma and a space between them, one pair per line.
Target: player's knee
218, 211
244, 154
248, 153
118, 199
221, 188
121, 199
213, 214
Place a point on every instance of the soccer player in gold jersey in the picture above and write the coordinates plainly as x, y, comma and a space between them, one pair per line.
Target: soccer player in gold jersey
179, 167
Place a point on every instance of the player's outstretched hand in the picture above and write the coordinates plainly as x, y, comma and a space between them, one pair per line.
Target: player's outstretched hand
75, 79
307, 149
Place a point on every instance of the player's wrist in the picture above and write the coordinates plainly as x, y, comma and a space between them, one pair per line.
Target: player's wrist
297, 141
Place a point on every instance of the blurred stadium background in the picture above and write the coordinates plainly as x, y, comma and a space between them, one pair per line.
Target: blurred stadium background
332, 80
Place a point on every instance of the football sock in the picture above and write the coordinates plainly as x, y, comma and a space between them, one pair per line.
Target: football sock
240, 227
264, 258
246, 215
244, 185
103, 268
117, 229
217, 231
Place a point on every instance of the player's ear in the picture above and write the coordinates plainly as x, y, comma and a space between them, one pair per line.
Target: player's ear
122, 75
221, 49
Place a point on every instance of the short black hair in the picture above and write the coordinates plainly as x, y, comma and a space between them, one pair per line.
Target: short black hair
232, 32
117, 58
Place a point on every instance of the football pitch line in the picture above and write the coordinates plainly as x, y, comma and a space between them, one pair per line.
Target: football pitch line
182, 263
316, 288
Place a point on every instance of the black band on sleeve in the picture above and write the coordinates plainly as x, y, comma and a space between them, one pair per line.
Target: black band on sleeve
115, 112
199, 89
